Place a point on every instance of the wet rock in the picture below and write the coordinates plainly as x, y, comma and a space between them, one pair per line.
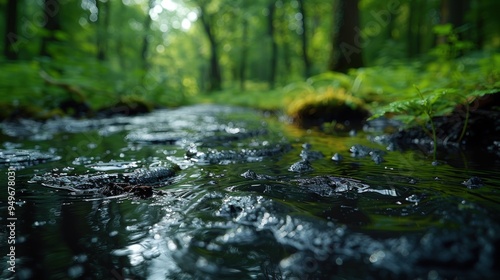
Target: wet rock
115, 189
469, 253
360, 151
191, 152
377, 158
213, 156
232, 206
249, 174
330, 184
152, 175
23, 157
337, 157
301, 166
140, 182
308, 154
473, 183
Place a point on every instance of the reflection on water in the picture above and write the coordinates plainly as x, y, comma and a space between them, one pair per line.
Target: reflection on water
237, 208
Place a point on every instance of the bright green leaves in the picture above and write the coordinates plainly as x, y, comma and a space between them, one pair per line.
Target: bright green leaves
437, 102
443, 29
450, 45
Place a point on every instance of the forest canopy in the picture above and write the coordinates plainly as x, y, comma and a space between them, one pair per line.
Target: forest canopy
60, 54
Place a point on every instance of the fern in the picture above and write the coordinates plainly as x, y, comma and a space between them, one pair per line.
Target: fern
421, 109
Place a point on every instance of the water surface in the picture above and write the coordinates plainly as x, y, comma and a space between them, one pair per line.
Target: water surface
255, 198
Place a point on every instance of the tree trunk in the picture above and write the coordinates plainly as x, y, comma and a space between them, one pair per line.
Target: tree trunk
305, 56
412, 33
286, 52
454, 12
102, 28
119, 41
420, 11
478, 33
145, 39
346, 50
10, 39
51, 9
274, 45
244, 53
215, 78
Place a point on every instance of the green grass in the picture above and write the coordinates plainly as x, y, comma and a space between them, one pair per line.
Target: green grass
265, 100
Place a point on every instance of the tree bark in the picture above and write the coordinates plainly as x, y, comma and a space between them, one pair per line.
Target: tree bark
454, 12
119, 40
409, 33
478, 33
346, 50
305, 56
274, 45
145, 39
244, 53
102, 29
413, 41
51, 9
215, 77
10, 38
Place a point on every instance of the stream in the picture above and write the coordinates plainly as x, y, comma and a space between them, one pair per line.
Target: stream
217, 192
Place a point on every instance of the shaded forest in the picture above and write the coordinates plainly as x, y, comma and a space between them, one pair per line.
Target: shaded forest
76, 57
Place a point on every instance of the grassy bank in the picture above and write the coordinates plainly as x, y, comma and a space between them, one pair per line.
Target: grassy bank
413, 92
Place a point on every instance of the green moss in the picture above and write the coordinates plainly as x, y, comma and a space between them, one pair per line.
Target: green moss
327, 105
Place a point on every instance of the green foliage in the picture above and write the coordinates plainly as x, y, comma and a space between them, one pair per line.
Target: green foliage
158, 51
452, 46
422, 108
17, 90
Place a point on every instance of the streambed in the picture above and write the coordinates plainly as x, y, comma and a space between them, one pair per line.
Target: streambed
215, 192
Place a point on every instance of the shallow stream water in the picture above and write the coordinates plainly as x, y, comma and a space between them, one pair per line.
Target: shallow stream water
244, 196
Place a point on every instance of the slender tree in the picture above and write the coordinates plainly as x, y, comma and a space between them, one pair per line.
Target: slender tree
304, 40
103, 18
478, 32
215, 77
145, 39
274, 46
244, 51
414, 27
346, 47
454, 12
283, 33
119, 44
51, 10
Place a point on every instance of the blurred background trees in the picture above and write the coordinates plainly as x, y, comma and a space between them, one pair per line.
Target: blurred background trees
165, 51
